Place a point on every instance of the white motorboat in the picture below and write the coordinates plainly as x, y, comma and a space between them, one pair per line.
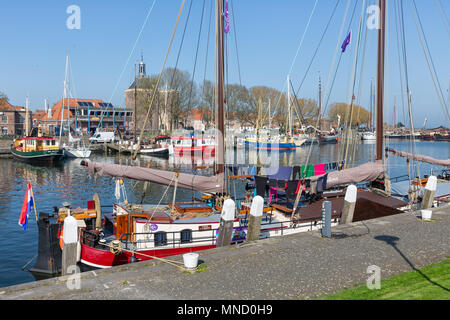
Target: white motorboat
369, 136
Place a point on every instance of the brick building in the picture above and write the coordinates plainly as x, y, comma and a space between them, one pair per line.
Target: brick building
12, 119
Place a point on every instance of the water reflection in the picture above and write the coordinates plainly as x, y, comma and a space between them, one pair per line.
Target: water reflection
71, 182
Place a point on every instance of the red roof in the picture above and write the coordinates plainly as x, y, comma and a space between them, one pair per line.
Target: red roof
72, 102
4, 105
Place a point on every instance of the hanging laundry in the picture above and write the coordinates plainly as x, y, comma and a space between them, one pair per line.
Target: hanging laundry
307, 171
319, 169
296, 172
261, 185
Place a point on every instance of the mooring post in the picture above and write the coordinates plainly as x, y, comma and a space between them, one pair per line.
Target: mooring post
349, 204
430, 190
70, 239
326, 219
98, 211
226, 223
254, 220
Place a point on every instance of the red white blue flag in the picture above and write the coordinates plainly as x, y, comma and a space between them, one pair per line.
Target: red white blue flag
28, 202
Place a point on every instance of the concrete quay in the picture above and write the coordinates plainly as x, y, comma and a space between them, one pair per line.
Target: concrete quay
295, 267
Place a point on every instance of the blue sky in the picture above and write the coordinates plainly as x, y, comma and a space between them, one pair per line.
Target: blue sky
35, 41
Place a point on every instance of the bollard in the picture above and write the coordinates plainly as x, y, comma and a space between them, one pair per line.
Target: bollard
70, 239
226, 223
326, 219
430, 189
254, 221
349, 204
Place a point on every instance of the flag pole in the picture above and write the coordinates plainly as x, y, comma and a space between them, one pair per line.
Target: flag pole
34, 202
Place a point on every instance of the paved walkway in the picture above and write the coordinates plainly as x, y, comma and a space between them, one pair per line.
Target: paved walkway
299, 266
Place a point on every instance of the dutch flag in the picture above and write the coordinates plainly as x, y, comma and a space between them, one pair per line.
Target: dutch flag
26, 207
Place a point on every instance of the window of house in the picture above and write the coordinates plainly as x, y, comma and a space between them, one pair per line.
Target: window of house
4, 119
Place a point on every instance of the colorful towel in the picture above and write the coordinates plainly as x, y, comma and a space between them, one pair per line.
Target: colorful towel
319, 169
309, 172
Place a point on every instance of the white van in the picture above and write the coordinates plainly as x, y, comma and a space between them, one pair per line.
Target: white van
100, 137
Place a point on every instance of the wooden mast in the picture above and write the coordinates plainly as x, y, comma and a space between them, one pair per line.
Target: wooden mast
380, 80
220, 90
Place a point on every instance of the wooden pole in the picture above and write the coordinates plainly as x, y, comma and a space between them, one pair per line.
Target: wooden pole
380, 80
177, 174
34, 202
70, 239
254, 222
430, 189
226, 223
349, 205
98, 209
220, 91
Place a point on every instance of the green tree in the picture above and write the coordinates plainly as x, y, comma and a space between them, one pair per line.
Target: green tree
358, 116
187, 90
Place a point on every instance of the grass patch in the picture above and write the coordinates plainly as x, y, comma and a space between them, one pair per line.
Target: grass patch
429, 283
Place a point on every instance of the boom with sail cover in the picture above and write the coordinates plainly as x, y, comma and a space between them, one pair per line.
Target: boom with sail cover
419, 157
206, 184
367, 172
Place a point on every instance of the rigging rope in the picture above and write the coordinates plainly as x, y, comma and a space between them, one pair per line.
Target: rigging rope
128, 60
196, 55
235, 41
159, 79
444, 18
295, 57
433, 76
303, 37
355, 67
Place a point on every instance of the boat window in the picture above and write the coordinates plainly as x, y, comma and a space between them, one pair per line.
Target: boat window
53, 142
160, 238
186, 236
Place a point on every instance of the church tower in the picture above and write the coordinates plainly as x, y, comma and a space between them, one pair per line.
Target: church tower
142, 68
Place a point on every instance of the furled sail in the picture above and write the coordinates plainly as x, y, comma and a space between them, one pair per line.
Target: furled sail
419, 157
206, 184
364, 173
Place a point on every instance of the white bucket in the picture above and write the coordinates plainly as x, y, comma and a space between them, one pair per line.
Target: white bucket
190, 260
426, 214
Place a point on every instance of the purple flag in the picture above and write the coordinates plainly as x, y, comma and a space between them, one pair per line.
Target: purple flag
346, 42
226, 28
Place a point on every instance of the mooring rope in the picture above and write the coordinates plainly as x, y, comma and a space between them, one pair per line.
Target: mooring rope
171, 262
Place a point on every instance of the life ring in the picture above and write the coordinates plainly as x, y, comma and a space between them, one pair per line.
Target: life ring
60, 236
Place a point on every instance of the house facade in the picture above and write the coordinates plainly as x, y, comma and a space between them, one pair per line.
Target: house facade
13, 119
84, 116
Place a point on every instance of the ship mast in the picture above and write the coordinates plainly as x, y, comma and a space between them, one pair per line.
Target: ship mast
380, 80
220, 90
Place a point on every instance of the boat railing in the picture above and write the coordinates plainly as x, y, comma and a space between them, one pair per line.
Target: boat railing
188, 237
173, 239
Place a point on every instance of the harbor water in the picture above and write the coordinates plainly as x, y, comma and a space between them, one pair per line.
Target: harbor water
69, 181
